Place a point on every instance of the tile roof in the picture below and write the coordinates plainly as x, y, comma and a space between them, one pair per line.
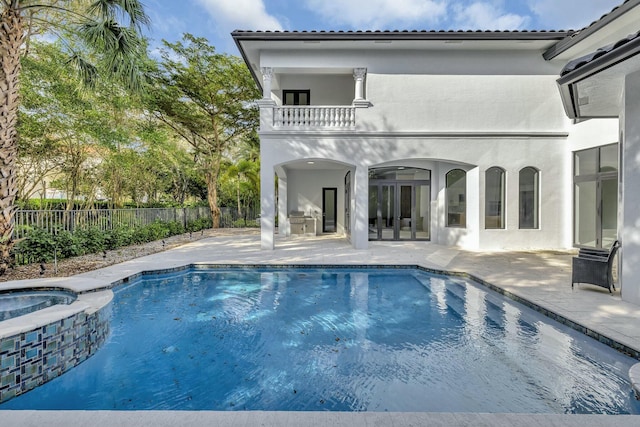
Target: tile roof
608, 14
403, 34
392, 31
610, 50
574, 37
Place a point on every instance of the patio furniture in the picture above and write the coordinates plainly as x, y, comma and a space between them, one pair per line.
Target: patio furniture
593, 266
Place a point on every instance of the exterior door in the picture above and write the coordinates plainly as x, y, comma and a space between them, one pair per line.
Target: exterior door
399, 210
347, 204
329, 210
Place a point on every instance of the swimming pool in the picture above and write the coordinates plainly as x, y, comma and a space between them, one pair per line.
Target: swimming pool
375, 339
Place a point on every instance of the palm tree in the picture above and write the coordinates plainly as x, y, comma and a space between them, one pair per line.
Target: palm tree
99, 34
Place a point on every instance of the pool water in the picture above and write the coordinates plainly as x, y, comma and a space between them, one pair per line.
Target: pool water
339, 340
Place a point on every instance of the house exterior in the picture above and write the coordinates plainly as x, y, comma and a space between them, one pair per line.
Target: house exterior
473, 139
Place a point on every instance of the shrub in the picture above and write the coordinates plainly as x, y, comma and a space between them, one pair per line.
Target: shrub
199, 224
119, 237
155, 231
91, 239
239, 223
175, 227
38, 246
67, 244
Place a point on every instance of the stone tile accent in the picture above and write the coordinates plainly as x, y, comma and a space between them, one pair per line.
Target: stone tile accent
32, 358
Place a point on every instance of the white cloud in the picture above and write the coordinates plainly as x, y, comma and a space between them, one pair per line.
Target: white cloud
487, 16
570, 14
379, 14
240, 14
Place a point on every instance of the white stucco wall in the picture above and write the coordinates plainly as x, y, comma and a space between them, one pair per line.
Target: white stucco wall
629, 214
473, 154
592, 133
436, 109
462, 103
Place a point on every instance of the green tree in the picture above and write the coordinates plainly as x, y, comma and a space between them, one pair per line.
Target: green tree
242, 175
206, 98
104, 35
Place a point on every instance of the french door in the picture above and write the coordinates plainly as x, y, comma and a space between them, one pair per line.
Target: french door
399, 210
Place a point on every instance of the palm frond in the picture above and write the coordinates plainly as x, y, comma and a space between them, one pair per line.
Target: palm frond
87, 71
115, 10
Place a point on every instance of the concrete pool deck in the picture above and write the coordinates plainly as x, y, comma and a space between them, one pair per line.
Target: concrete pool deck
543, 278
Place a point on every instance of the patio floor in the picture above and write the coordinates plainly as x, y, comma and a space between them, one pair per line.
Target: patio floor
540, 277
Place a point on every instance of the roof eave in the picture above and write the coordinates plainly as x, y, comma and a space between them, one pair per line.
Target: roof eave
574, 38
248, 64
240, 35
568, 81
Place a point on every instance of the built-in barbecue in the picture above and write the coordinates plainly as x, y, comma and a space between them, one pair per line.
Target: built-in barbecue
301, 224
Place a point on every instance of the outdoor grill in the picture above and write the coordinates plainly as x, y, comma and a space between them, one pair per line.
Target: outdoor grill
300, 224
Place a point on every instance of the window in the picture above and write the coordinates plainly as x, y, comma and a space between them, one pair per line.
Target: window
494, 198
529, 196
595, 196
296, 97
456, 198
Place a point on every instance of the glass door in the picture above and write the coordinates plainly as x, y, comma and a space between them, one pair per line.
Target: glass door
422, 212
399, 211
329, 209
387, 225
405, 218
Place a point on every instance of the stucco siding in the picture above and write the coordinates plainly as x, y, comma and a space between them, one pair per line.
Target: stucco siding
440, 103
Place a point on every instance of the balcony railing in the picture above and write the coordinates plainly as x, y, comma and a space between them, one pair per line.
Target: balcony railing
310, 117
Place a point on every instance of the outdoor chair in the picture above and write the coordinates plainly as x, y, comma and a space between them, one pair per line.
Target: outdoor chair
594, 266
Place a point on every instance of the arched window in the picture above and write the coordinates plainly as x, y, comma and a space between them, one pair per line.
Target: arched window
529, 196
456, 198
494, 198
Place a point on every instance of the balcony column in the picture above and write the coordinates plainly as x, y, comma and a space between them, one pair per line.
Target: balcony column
358, 76
267, 76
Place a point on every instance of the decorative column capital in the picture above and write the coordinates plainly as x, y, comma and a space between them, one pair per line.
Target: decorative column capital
267, 73
359, 73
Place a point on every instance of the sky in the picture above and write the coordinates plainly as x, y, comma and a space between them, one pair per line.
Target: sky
216, 19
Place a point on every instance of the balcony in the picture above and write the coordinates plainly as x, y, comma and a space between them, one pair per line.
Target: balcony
314, 117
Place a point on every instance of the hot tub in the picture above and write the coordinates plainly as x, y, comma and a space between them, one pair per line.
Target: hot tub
16, 303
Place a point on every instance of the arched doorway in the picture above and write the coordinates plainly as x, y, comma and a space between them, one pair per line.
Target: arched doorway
399, 201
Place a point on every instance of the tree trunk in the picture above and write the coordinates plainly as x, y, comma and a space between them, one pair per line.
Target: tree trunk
212, 189
212, 199
238, 197
11, 39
